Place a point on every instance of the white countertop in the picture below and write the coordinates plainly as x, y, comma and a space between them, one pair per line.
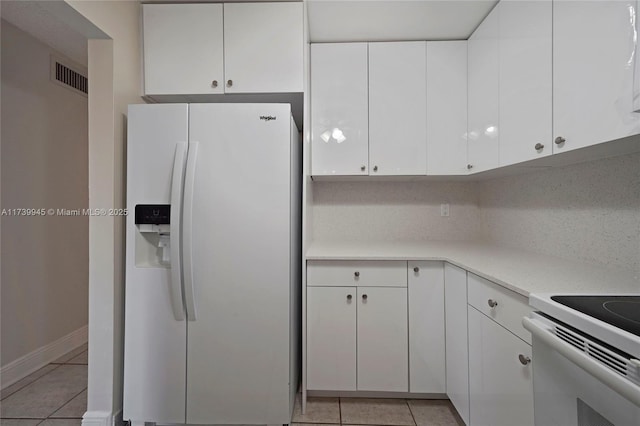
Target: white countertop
518, 270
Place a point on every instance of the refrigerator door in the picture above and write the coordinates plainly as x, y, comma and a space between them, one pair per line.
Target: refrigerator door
238, 344
155, 337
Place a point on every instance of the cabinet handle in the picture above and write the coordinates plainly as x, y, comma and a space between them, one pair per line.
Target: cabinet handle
375, 168
214, 83
416, 269
524, 360
469, 166
492, 303
362, 168
356, 274
364, 297
560, 140
538, 146
229, 83
349, 297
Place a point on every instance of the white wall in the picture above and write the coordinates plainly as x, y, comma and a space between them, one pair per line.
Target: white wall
388, 211
115, 81
44, 165
588, 212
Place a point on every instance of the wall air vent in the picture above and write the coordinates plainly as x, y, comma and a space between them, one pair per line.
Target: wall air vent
67, 74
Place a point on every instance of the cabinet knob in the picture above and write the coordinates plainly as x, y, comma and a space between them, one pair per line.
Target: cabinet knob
524, 360
492, 303
469, 166
362, 168
538, 146
214, 83
560, 140
229, 83
416, 269
375, 168
349, 297
364, 297
356, 274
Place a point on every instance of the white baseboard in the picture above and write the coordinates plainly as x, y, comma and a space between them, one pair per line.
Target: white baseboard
97, 418
23, 366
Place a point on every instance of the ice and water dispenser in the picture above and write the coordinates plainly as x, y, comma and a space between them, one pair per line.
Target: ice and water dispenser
153, 244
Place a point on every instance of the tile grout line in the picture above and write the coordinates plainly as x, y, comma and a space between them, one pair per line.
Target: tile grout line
411, 411
62, 406
340, 410
19, 389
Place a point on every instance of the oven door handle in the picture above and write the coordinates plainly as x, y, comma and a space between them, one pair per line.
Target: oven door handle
602, 373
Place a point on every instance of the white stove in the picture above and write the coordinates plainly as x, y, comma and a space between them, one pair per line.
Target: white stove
613, 319
586, 359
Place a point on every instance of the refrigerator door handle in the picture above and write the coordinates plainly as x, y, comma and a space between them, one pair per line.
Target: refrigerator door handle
177, 303
187, 227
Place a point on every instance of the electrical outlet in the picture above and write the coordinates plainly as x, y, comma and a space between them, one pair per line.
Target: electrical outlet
444, 210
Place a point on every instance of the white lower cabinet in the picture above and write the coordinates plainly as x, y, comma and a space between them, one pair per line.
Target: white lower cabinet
500, 375
457, 350
331, 338
357, 334
426, 327
368, 321
382, 339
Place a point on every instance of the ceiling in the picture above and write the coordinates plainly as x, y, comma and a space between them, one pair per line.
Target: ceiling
389, 20
386, 20
329, 21
54, 23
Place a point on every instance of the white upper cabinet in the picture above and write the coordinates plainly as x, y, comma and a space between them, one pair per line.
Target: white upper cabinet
204, 48
525, 80
183, 51
397, 108
593, 72
484, 100
446, 107
339, 109
263, 47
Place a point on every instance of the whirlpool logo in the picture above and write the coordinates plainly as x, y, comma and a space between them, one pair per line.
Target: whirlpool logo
267, 117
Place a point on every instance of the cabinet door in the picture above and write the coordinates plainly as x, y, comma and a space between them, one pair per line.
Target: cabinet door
455, 305
447, 107
397, 108
500, 386
525, 81
382, 339
426, 327
183, 51
263, 45
483, 109
593, 66
339, 109
331, 338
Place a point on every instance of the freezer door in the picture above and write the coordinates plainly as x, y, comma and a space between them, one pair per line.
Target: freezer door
155, 328
238, 226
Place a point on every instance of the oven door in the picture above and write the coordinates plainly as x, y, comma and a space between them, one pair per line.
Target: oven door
571, 388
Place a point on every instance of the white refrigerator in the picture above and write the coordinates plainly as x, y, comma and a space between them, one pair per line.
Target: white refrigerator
213, 264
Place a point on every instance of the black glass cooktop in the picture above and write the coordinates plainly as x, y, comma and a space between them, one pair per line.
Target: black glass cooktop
620, 311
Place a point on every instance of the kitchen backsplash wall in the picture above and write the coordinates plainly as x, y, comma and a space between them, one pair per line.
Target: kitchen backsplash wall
393, 211
587, 212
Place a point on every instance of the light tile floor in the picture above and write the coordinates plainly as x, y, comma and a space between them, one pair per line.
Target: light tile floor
378, 412
55, 395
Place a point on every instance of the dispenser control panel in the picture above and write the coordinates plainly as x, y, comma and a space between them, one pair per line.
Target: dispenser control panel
153, 214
